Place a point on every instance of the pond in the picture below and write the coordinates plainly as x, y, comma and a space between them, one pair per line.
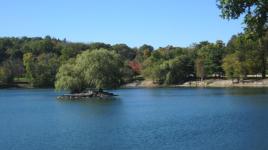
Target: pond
164, 118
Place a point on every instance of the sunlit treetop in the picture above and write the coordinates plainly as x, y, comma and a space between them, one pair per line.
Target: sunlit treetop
255, 13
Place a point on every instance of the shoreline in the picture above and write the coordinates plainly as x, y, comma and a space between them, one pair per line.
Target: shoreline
209, 83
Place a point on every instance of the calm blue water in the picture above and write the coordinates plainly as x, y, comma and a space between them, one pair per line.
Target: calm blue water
168, 118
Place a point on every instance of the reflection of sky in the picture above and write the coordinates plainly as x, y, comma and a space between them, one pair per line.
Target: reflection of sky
164, 118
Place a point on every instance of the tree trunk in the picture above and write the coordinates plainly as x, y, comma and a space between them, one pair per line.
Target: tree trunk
263, 53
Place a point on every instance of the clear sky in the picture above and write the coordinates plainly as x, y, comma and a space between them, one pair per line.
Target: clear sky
134, 22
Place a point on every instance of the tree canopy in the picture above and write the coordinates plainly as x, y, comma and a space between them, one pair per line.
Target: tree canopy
23, 58
99, 68
255, 17
255, 14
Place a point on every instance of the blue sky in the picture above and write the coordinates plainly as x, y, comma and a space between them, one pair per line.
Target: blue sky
134, 22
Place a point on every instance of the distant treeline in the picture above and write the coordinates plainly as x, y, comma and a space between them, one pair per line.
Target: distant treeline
37, 60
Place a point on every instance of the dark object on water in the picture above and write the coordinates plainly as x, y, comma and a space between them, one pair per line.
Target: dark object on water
86, 95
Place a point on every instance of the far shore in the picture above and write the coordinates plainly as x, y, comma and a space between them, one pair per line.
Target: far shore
208, 83
221, 83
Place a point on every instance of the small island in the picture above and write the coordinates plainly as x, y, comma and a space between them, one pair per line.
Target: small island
86, 95
49, 62
96, 69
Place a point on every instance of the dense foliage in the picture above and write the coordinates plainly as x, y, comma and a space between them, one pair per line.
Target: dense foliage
45, 62
169, 65
79, 66
41, 70
99, 68
255, 14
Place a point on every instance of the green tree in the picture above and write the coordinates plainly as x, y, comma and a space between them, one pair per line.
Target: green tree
91, 69
38, 46
5, 44
98, 45
7, 72
41, 70
68, 52
101, 68
248, 52
28, 64
70, 78
180, 69
255, 18
211, 56
254, 12
124, 51
171, 71
199, 68
232, 66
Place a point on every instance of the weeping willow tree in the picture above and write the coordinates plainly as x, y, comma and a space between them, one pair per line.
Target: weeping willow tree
91, 69
69, 78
